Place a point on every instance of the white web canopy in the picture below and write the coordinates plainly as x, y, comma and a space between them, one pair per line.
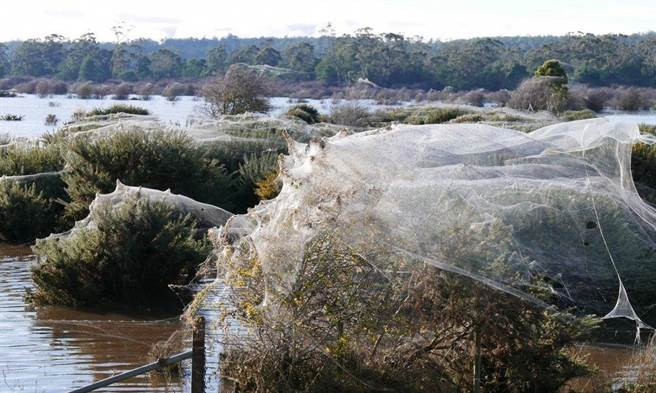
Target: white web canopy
555, 208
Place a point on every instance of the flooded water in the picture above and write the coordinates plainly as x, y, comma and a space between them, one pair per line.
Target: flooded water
35, 109
54, 349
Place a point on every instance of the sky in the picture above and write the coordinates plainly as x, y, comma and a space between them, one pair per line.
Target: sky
430, 19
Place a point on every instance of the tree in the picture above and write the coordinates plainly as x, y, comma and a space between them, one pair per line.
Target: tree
82, 48
237, 92
268, 56
165, 64
38, 57
300, 57
216, 60
246, 55
4, 61
551, 68
194, 68
97, 67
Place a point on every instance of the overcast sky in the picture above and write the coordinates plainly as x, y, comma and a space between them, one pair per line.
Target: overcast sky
254, 18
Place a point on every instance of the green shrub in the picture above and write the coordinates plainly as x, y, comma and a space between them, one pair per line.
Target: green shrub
157, 159
578, 115
27, 159
25, 213
434, 115
253, 171
307, 113
118, 108
131, 255
350, 114
30, 207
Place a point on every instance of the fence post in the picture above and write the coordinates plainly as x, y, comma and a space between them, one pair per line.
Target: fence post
198, 356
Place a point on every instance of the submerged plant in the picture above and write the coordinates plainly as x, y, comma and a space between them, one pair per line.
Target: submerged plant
128, 257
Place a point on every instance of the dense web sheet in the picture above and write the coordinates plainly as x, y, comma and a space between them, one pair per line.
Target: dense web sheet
207, 216
554, 209
229, 128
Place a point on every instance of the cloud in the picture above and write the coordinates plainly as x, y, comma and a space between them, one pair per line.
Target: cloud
149, 19
305, 29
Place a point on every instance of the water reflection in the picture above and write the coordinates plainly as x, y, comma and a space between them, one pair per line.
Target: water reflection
55, 349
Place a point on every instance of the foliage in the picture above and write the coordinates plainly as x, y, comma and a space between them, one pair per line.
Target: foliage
25, 212
350, 114
129, 257
157, 159
255, 176
388, 60
345, 325
578, 115
24, 159
540, 93
307, 113
237, 92
118, 108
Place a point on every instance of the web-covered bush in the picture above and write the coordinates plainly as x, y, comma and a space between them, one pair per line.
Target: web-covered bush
468, 249
154, 159
128, 257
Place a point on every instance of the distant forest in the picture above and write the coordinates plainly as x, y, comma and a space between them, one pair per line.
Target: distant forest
388, 60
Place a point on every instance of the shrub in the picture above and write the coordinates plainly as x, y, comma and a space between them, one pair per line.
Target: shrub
350, 114
239, 91
578, 115
174, 90
630, 100
129, 257
11, 117
307, 113
118, 108
344, 325
83, 90
543, 93
122, 91
156, 159
25, 213
253, 174
434, 115
25, 159
51, 120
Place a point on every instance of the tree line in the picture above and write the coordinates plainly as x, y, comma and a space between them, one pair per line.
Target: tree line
388, 60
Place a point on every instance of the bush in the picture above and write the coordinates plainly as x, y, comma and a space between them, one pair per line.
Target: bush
254, 173
51, 120
131, 255
23, 159
239, 91
25, 213
118, 108
344, 325
350, 114
434, 115
157, 159
122, 91
630, 100
540, 93
307, 113
578, 115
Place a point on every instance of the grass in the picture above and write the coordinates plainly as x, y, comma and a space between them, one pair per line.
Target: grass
118, 108
129, 257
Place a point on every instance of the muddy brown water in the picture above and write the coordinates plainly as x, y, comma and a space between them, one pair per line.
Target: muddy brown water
55, 349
